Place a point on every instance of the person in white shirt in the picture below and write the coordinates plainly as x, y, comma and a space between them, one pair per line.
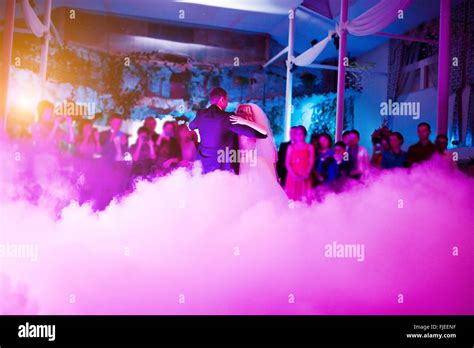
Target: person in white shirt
358, 155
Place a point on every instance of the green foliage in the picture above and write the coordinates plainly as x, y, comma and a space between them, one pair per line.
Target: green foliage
113, 78
323, 117
275, 117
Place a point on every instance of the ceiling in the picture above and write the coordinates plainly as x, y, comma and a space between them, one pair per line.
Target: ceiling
263, 16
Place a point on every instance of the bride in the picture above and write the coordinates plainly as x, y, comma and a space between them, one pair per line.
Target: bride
262, 151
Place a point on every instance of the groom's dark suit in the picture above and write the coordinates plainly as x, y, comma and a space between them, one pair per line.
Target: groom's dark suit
217, 133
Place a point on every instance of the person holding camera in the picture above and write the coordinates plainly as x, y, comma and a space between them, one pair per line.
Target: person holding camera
168, 151
143, 153
52, 132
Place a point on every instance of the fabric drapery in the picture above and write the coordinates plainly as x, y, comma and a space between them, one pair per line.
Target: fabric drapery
394, 69
377, 17
456, 128
401, 82
310, 55
373, 20
32, 20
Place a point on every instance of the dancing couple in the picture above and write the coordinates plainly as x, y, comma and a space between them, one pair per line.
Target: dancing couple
245, 135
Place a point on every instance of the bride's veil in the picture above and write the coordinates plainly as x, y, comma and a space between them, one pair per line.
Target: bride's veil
266, 148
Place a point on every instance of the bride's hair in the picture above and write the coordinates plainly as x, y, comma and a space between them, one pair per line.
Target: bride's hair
245, 111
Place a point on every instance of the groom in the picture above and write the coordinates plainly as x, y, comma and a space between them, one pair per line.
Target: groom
217, 133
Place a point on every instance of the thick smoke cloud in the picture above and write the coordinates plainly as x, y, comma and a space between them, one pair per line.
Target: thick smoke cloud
223, 244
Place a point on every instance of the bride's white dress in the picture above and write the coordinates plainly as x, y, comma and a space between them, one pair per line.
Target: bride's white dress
260, 172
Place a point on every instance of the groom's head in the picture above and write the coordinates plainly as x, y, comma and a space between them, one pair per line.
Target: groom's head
219, 97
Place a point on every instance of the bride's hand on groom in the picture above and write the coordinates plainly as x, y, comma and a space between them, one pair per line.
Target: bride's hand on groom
234, 119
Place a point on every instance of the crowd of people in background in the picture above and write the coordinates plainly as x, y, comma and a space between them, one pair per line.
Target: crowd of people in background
308, 168
304, 168
152, 153
107, 163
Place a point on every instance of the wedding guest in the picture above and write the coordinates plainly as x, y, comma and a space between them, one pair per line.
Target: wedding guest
299, 163
394, 157
345, 137
41, 129
315, 142
424, 148
168, 151
88, 142
188, 145
87, 147
358, 155
114, 142
441, 144
341, 156
380, 141
143, 153
48, 133
113, 166
345, 140
150, 124
282, 150
326, 166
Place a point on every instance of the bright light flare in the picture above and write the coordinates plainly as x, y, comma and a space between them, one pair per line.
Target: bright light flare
22, 104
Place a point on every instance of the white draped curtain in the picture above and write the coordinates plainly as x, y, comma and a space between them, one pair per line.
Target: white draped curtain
310, 55
370, 22
32, 20
377, 17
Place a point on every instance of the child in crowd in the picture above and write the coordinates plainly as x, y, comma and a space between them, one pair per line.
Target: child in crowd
299, 163
326, 167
